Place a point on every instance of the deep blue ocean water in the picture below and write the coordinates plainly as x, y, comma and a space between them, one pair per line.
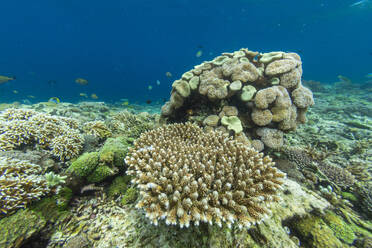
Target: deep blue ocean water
122, 47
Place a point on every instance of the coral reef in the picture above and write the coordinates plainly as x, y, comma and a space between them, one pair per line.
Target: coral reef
97, 166
59, 135
265, 90
21, 182
98, 129
185, 175
338, 175
130, 125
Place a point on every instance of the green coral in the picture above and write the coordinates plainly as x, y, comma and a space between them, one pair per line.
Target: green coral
232, 123
97, 166
118, 186
54, 179
349, 196
315, 232
25, 223
340, 228
114, 151
100, 174
85, 164
63, 198
130, 196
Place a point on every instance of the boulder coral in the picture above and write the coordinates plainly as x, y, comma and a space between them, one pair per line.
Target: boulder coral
97, 166
265, 89
186, 176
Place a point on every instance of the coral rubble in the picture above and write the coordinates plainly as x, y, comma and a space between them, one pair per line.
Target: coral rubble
264, 89
185, 175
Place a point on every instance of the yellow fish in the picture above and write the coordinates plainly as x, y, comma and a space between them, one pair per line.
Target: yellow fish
4, 79
83, 95
54, 100
126, 103
81, 81
15, 91
93, 96
199, 54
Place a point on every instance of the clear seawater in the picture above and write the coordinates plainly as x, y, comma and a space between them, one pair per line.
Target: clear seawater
121, 47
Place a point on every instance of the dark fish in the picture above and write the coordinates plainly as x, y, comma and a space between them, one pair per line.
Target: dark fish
200, 46
52, 82
148, 101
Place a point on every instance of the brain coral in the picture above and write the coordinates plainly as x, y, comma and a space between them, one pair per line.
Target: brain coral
265, 88
60, 135
186, 175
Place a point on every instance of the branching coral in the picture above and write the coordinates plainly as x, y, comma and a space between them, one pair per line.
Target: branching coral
24, 127
98, 129
130, 125
20, 183
185, 175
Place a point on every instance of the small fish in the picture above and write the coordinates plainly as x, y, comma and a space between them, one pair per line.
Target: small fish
344, 79
199, 54
52, 82
31, 96
81, 81
4, 79
157, 82
148, 101
168, 74
83, 95
93, 96
126, 103
369, 75
15, 91
359, 3
149, 87
54, 100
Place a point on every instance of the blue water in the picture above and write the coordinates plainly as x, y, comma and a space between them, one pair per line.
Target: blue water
122, 47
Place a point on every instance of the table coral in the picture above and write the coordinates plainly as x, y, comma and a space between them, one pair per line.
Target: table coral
265, 88
59, 135
185, 175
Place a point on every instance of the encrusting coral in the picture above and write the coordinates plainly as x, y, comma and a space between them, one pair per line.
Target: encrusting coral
60, 135
186, 175
265, 89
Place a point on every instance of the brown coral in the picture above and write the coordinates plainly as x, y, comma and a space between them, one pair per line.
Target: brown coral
24, 127
264, 88
185, 175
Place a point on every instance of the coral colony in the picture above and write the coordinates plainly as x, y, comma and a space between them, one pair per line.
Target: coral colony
186, 175
256, 95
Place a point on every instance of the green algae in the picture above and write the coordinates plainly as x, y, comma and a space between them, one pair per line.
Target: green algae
85, 164
340, 228
130, 196
25, 223
118, 186
316, 233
